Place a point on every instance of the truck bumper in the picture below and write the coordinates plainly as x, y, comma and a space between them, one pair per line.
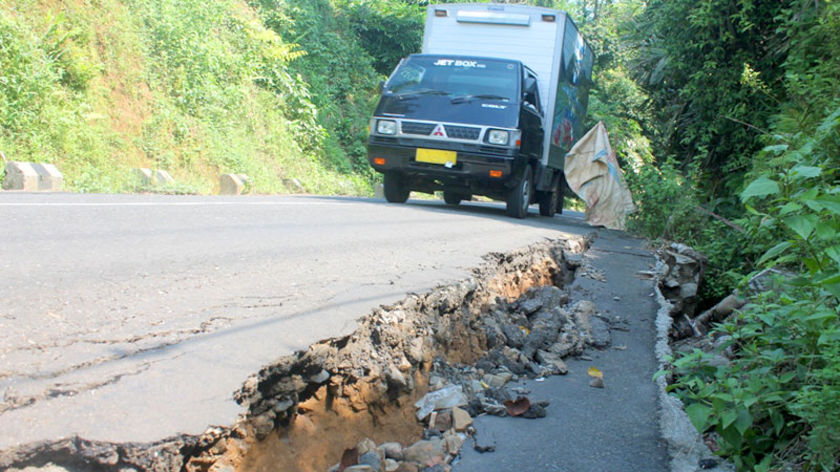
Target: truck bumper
474, 170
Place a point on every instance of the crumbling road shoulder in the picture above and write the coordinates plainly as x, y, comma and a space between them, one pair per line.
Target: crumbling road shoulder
614, 428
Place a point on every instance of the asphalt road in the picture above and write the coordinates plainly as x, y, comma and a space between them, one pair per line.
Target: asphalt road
133, 318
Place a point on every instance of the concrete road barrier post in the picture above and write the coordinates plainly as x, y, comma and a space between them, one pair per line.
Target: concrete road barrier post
30, 177
142, 176
49, 178
378, 190
162, 177
233, 184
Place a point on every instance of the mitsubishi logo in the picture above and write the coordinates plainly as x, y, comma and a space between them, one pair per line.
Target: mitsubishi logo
439, 131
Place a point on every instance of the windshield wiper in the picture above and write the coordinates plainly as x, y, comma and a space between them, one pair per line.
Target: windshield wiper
469, 98
421, 92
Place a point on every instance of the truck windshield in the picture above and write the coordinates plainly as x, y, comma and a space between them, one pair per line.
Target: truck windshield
463, 79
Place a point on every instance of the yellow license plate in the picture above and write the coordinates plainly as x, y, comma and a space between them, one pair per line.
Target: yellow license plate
436, 156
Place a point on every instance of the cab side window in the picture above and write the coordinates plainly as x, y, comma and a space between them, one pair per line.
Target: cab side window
532, 96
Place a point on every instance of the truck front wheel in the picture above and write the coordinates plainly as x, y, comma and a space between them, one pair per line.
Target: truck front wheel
519, 196
395, 189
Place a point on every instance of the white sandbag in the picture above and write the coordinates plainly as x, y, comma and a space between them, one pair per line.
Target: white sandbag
593, 173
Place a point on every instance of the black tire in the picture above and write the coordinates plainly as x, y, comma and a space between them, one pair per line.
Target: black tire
519, 196
549, 200
561, 196
395, 189
454, 198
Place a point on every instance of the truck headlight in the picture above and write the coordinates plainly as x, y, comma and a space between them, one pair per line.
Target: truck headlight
498, 136
386, 127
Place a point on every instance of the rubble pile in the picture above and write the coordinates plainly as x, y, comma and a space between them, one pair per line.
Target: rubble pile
680, 278
679, 282
528, 337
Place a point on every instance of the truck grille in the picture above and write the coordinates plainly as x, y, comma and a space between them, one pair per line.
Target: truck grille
413, 127
462, 132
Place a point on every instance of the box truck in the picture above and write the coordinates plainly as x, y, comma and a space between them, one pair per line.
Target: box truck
490, 107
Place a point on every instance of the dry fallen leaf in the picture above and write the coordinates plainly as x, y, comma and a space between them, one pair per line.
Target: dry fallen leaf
594, 372
517, 407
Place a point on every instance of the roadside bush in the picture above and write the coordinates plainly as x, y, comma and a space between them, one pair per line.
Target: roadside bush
769, 407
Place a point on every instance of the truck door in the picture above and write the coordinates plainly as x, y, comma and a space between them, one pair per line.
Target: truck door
531, 116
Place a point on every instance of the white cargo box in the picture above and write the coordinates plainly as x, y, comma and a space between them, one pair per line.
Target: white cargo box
532, 35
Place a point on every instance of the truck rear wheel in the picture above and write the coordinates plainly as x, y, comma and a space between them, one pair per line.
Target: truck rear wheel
395, 189
550, 200
519, 196
454, 198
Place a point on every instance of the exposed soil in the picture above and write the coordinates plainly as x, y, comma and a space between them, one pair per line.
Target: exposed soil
304, 410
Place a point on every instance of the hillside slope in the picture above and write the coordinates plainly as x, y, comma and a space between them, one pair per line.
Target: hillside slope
196, 88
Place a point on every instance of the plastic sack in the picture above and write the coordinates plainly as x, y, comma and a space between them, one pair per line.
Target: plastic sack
592, 172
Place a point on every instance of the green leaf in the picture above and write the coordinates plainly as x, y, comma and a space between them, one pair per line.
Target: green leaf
826, 232
834, 253
778, 420
830, 279
744, 420
787, 377
760, 187
802, 225
776, 148
820, 315
699, 415
728, 417
830, 204
790, 207
805, 172
829, 337
774, 251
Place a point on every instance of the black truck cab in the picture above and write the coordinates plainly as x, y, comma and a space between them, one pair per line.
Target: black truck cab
463, 125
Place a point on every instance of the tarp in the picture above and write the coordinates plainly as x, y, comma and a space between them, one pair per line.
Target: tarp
593, 173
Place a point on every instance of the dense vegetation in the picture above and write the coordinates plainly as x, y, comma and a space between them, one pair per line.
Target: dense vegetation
724, 113
743, 114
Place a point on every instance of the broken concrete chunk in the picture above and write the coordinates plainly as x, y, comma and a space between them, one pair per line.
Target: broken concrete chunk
360, 468
514, 335
372, 460
599, 332
530, 306
365, 445
461, 420
452, 443
447, 397
395, 378
407, 467
427, 451
392, 450
497, 380
554, 361
442, 421
320, 377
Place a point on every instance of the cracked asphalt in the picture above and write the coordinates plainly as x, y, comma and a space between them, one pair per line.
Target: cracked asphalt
135, 317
